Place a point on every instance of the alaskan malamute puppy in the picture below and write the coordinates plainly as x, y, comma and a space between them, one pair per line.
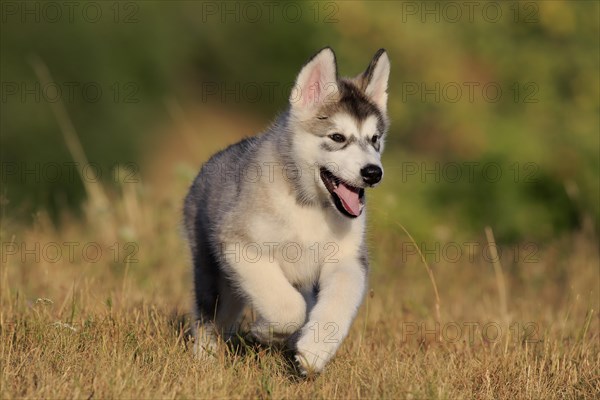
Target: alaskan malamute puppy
276, 222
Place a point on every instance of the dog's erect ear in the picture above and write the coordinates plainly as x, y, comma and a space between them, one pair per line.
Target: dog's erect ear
316, 82
374, 81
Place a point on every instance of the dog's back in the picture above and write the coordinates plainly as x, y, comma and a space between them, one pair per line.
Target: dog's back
213, 193
276, 223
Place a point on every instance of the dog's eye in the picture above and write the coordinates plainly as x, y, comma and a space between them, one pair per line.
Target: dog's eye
337, 137
374, 139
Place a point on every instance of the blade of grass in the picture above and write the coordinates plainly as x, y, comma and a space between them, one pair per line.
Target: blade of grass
500, 283
94, 189
99, 211
429, 273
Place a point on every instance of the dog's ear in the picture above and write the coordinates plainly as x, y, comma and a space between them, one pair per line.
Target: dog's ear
317, 81
374, 81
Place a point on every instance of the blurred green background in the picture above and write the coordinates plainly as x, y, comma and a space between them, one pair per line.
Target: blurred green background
498, 101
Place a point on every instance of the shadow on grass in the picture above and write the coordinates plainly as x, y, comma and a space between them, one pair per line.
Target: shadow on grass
244, 346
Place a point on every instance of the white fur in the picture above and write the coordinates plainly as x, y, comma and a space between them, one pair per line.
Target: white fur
346, 163
278, 247
342, 290
278, 286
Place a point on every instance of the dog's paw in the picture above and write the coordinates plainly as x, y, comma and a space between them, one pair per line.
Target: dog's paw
205, 351
205, 343
304, 368
311, 360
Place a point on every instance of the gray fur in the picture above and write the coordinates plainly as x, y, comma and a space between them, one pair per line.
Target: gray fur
232, 198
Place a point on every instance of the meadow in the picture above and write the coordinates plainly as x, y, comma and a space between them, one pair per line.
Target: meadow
483, 236
97, 307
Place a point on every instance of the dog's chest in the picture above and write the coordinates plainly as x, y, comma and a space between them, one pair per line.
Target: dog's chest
302, 239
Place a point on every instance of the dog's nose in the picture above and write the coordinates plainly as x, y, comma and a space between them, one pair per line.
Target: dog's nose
371, 174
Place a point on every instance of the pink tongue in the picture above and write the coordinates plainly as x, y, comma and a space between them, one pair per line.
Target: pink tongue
349, 199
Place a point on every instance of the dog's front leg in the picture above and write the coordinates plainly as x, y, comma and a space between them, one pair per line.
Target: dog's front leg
341, 290
280, 307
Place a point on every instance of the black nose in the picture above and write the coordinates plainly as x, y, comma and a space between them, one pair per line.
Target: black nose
371, 174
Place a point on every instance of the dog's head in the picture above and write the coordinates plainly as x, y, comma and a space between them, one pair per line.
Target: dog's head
339, 127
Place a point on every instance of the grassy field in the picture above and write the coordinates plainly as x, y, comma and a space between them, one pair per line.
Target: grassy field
96, 307
95, 289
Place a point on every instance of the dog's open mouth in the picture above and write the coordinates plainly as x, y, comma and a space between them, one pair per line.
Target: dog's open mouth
348, 199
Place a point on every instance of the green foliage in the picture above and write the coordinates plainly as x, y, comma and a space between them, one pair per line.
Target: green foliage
544, 59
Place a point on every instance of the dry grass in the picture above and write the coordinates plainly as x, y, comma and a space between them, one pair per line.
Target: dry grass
113, 329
